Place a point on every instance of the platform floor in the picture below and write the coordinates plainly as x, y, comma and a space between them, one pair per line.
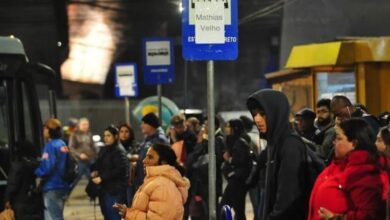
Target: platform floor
78, 206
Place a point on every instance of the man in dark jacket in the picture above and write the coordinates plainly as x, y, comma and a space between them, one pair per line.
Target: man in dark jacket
197, 167
285, 191
343, 109
325, 133
150, 127
305, 123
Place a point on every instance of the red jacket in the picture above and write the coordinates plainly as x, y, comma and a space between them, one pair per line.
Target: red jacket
354, 186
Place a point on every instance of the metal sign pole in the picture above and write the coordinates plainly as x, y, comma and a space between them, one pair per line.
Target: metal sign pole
127, 110
159, 94
211, 137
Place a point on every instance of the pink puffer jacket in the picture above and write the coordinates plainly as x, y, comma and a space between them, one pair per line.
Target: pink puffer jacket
161, 197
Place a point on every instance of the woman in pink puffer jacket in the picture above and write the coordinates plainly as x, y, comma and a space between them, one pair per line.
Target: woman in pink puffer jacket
164, 191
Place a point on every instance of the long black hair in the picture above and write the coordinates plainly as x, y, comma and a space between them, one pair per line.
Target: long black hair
167, 155
385, 134
129, 142
238, 130
359, 131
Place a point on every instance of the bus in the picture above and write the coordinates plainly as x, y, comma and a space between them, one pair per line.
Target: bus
26, 89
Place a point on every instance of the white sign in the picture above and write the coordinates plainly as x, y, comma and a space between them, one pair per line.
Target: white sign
209, 22
158, 53
126, 80
193, 4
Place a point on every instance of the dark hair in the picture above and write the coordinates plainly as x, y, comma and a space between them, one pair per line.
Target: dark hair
384, 118
55, 133
356, 129
131, 131
166, 154
247, 122
341, 100
112, 129
115, 132
324, 102
237, 127
254, 107
385, 134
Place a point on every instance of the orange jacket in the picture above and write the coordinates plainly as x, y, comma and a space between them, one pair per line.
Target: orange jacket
161, 196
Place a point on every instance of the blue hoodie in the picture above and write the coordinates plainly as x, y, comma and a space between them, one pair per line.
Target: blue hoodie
52, 165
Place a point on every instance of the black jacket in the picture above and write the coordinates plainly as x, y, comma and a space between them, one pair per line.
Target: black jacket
198, 171
22, 192
241, 158
21, 181
371, 120
286, 197
112, 166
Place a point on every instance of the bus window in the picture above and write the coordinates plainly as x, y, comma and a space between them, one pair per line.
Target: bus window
27, 115
43, 96
4, 137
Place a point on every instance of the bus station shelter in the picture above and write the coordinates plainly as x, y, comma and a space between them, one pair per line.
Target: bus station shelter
358, 68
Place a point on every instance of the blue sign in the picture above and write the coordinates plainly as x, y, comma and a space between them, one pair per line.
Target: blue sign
209, 30
126, 80
159, 65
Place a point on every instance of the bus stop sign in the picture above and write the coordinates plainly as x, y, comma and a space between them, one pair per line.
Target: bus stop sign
126, 80
209, 30
158, 60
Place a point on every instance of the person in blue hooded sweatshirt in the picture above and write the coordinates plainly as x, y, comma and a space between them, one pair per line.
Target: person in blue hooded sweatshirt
51, 170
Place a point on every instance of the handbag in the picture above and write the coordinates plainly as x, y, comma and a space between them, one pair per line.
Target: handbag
7, 214
93, 190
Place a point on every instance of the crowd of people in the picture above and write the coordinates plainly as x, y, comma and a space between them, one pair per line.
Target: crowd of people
165, 175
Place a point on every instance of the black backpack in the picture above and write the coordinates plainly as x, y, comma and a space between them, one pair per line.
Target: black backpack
254, 174
71, 169
314, 164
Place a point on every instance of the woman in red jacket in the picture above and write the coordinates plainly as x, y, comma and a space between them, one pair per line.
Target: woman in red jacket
353, 186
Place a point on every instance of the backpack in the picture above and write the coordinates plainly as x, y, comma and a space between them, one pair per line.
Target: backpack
71, 170
314, 164
254, 174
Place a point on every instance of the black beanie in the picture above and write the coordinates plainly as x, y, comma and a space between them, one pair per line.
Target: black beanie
151, 119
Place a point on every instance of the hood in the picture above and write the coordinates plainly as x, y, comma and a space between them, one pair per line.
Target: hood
169, 172
277, 111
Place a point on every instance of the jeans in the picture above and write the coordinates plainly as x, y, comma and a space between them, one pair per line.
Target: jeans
254, 195
130, 194
54, 203
106, 202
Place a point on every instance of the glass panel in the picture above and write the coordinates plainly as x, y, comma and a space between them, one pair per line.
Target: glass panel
27, 111
43, 96
330, 84
4, 135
